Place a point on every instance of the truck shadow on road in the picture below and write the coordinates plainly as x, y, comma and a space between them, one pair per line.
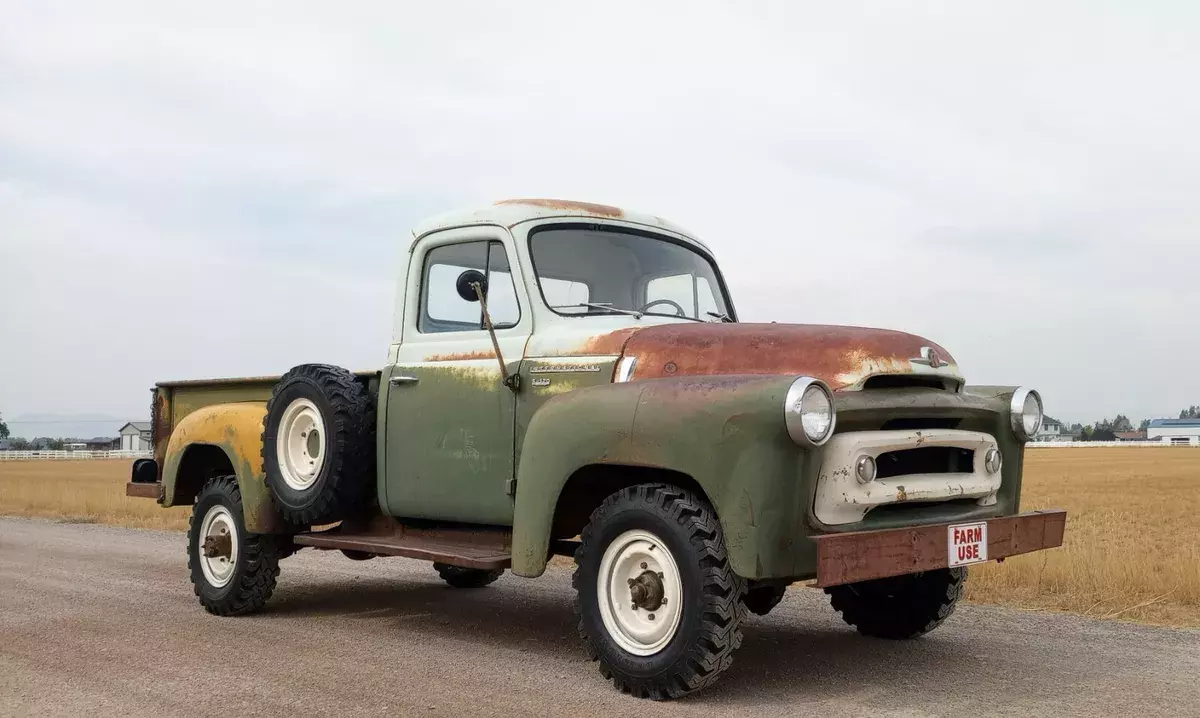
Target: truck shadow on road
801, 652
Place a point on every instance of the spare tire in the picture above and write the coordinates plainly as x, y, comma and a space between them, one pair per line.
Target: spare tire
318, 444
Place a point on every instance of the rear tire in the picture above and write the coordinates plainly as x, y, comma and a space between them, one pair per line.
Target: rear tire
318, 444
233, 572
460, 577
900, 607
659, 606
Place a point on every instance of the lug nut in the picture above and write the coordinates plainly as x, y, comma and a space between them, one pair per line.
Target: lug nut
643, 564
651, 616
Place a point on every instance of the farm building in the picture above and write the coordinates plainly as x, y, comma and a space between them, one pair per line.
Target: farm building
135, 436
99, 443
1052, 430
1131, 435
1184, 432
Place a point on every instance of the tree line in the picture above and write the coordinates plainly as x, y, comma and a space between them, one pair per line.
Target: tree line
42, 443
1107, 429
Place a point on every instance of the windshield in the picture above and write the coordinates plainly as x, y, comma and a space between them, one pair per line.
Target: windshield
606, 270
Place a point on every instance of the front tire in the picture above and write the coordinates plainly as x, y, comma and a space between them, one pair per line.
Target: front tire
233, 572
900, 607
659, 606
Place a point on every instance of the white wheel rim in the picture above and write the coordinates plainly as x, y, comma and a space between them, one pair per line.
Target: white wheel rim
300, 444
645, 629
218, 546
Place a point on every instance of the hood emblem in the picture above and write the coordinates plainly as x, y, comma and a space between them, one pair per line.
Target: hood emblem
930, 357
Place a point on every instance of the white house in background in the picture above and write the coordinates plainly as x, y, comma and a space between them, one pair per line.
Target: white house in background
1180, 432
135, 436
1052, 430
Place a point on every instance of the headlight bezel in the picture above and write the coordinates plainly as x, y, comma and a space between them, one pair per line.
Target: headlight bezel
793, 411
1016, 412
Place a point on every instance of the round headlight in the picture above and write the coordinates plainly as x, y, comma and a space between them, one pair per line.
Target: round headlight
808, 412
1025, 413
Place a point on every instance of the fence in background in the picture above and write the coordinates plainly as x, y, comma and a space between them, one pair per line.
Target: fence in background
72, 455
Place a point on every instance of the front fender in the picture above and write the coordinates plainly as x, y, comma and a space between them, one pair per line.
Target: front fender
237, 430
725, 432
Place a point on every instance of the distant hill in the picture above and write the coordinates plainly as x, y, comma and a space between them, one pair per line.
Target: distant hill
61, 426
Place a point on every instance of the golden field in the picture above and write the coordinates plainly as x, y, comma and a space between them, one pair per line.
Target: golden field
1132, 549
1132, 546
81, 492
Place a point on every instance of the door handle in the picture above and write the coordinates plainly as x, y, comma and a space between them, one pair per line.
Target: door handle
403, 380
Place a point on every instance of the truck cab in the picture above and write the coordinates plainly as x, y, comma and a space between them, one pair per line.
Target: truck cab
573, 378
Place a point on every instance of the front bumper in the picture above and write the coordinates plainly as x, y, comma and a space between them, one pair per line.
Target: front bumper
863, 555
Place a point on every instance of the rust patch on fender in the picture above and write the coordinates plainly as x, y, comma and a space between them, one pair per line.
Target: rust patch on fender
603, 210
606, 344
841, 356
463, 356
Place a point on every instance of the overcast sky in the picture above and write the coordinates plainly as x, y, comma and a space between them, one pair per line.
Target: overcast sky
224, 189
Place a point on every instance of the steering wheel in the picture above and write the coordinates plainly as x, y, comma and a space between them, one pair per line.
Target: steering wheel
679, 311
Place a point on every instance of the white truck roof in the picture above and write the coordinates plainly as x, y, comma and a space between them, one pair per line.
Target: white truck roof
511, 212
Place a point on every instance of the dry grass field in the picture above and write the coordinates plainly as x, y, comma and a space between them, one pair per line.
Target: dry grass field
1132, 547
82, 492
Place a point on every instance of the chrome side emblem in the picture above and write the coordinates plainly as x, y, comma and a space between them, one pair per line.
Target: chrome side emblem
563, 368
930, 357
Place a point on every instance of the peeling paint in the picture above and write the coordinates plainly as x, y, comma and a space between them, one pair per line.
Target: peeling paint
844, 357
602, 210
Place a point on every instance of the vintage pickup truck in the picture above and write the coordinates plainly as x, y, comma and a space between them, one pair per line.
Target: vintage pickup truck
571, 378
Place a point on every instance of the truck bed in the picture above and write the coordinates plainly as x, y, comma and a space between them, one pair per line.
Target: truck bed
173, 400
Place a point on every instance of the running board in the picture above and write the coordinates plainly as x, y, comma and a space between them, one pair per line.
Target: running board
469, 547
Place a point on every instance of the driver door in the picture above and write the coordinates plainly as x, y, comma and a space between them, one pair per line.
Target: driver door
450, 419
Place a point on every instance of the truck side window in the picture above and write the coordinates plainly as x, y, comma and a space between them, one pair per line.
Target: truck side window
442, 310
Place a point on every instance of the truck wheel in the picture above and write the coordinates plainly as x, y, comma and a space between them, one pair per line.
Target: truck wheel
460, 577
760, 600
659, 606
233, 572
900, 607
318, 444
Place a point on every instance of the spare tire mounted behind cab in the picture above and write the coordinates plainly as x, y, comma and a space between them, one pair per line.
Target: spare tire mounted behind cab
318, 444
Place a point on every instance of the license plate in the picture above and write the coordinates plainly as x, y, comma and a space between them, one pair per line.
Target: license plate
967, 543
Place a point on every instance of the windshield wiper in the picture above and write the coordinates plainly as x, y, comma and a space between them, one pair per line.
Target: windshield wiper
675, 316
609, 307
722, 317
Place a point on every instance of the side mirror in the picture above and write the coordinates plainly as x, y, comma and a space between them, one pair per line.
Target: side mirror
464, 282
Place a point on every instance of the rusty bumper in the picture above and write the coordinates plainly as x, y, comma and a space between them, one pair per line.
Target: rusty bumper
144, 491
863, 555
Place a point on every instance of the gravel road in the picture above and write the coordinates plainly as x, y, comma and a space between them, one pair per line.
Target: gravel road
102, 621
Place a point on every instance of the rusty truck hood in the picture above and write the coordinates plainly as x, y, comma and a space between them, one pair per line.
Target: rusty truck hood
841, 356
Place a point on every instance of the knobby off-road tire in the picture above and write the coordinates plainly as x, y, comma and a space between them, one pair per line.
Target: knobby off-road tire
662, 530
900, 607
460, 577
239, 576
318, 444
760, 600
